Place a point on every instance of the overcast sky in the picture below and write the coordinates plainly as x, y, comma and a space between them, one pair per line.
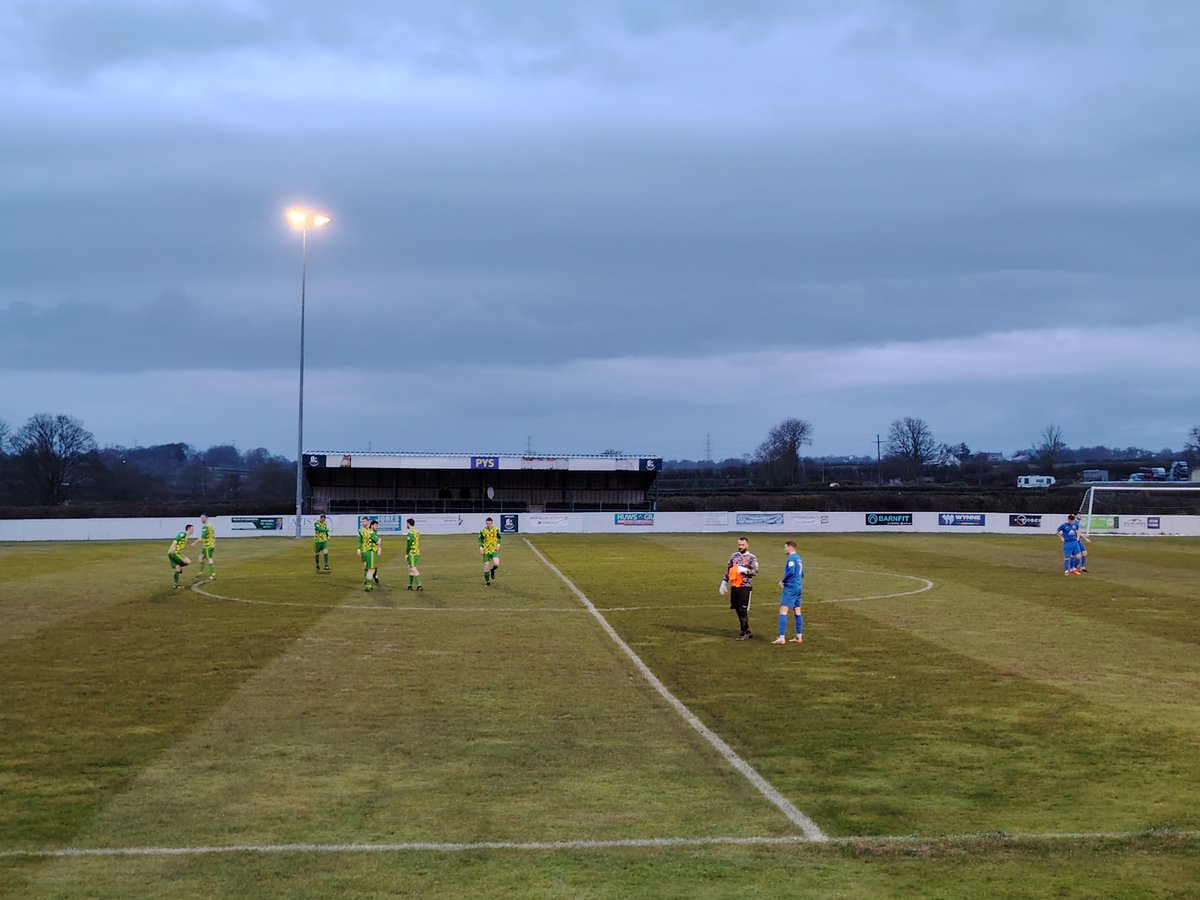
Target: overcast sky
626, 224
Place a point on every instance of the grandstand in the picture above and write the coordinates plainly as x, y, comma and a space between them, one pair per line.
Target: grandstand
382, 482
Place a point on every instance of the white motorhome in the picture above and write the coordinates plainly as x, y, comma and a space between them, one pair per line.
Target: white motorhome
1034, 481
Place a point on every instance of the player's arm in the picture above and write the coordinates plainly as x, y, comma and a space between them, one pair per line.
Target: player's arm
788, 574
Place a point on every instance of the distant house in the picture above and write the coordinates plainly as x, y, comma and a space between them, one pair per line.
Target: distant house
947, 459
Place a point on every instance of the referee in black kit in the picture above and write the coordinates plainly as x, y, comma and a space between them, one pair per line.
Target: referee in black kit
738, 580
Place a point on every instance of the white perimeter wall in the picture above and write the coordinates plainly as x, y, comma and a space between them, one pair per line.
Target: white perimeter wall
783, 523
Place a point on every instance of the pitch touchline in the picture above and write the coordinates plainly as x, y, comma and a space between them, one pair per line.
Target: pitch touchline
1002, 837
806, 825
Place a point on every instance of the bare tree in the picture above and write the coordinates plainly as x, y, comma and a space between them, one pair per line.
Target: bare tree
4, 430
779, 454
1051, 448
48, 453
910, 441
1192, 447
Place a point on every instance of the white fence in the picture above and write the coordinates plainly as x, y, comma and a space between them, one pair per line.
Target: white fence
784, 523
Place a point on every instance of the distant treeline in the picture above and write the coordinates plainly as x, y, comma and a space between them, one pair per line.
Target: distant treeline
53, 462
51, 466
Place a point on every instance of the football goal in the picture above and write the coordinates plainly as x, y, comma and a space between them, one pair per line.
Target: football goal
1137, 508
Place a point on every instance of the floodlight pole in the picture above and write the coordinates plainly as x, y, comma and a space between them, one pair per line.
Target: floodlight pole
300, 419
303, 219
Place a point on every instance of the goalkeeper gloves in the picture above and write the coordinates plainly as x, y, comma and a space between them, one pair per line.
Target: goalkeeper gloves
724, 587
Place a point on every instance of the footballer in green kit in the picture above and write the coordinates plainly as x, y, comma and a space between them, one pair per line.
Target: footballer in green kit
489, 549
321, 542
412, 556
371, 551
208, 547
175, 553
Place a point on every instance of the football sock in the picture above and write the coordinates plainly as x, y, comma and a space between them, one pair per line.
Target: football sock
176, 576
799, 624
1066, 565
782, 625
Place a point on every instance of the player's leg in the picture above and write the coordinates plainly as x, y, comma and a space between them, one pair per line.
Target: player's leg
487, 570
495, 565
317, 555
212, 562
799, 638
783, 619
739, 599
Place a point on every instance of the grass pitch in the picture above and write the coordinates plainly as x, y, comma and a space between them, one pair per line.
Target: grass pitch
962, 720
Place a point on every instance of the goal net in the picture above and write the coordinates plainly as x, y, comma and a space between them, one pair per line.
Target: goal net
1133, 508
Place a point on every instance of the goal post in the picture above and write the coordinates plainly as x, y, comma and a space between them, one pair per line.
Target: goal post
1140, 508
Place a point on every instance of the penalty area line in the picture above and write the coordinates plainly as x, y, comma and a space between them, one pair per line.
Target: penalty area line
807, 826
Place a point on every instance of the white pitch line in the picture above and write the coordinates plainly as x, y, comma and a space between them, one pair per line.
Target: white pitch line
926, 585
197, 587
1003, 837
457, 609
806, 825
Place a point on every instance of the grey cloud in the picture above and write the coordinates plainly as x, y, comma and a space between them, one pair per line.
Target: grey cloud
595, 181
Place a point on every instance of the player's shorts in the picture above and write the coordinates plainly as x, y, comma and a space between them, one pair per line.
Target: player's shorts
318, 546
787, 598
176, 560
739, 597
207, 552
369, 558
492, 557
1071, 548
413, 560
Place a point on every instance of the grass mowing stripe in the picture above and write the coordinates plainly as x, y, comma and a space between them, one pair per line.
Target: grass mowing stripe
810, 828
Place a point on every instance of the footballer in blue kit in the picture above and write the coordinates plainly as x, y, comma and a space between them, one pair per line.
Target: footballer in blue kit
1072, 541
791, 587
